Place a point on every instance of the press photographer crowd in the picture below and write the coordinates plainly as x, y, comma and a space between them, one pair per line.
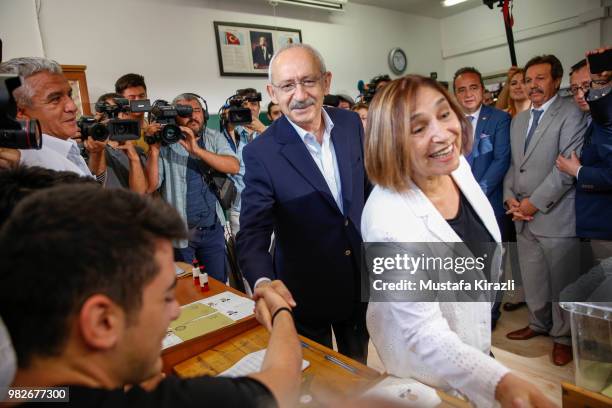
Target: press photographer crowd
95, 210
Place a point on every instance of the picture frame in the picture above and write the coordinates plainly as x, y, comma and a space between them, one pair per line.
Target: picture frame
246, 49
75, 74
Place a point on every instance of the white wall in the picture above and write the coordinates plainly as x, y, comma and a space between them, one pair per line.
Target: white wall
19, 29
171, 42
565, 28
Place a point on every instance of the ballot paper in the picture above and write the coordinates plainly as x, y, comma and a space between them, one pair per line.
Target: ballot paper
405, 392
207, 315
251, 363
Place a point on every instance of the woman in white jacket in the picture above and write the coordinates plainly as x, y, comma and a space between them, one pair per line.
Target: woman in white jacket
425, 193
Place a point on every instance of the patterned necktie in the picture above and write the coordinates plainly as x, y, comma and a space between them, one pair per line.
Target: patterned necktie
537, 113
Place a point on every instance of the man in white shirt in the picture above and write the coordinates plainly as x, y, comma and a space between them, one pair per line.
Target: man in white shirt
305, 181
46, 95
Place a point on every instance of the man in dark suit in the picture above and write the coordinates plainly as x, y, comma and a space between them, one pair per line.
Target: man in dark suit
305, 181
262, 54
593, 171
490, 154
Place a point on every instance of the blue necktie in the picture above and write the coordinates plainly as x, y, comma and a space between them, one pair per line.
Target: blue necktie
469, 156
534, 124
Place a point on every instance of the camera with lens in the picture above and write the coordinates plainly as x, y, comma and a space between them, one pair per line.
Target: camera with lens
114, 129
90, 127
165, 114
15, 134
237, 114
373, 86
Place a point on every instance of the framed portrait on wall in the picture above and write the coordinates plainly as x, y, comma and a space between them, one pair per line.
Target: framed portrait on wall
246, 49
78, 82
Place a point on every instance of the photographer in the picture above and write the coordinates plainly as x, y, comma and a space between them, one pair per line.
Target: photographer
133, 88
177, 170
376, 84
238, 136
124, 160
46, 95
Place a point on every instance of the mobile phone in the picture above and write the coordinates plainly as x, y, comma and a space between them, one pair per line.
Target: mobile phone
600, 62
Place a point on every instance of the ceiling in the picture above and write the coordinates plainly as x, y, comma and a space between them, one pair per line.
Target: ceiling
429, 8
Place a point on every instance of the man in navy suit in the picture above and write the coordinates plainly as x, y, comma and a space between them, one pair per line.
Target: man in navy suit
593, 171
305, 181
490, 154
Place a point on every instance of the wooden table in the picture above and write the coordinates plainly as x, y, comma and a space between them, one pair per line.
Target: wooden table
187, 292
578, 397
323, 381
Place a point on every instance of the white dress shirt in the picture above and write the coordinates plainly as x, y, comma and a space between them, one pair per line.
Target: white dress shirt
56, 154
474, 122
324, 156
543, 108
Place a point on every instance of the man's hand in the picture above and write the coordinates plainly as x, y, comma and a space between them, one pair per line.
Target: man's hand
527, 208
94, 146
129, 149
512, 204
569, 166
152, 128
514, 209
269, 300
514, 392
9, 158
190, 143
601, 79
279, 287
256, 125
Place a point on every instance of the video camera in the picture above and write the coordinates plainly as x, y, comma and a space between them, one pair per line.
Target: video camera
165, 114
15, 134
370, 90
114, 129
236, 113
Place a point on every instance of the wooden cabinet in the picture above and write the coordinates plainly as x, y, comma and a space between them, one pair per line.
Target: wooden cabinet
78, 81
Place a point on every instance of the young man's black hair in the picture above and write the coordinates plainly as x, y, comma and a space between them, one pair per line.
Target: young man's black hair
20, 182
129, 81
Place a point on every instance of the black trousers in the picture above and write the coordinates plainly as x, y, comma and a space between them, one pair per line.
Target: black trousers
351, 335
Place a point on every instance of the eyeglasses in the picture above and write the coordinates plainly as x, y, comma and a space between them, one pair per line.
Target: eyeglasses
584, 87
289, 87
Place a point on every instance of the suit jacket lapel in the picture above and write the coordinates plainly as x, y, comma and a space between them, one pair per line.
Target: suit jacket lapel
295, 151
545, 122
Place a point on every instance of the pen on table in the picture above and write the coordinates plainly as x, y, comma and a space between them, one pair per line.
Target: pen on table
340, 363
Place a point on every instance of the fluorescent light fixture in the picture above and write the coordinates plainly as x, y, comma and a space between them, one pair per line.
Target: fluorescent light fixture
448, 3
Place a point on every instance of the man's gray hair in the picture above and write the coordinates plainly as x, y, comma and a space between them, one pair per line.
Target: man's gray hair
186, 97
316, 54
26, 67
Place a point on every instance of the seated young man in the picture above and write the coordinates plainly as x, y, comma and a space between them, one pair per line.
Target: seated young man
87, 294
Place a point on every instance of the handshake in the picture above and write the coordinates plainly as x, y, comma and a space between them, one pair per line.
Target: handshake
273, 299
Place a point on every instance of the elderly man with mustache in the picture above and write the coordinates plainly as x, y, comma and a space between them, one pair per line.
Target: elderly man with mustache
305, 182
177, 170
541, 200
